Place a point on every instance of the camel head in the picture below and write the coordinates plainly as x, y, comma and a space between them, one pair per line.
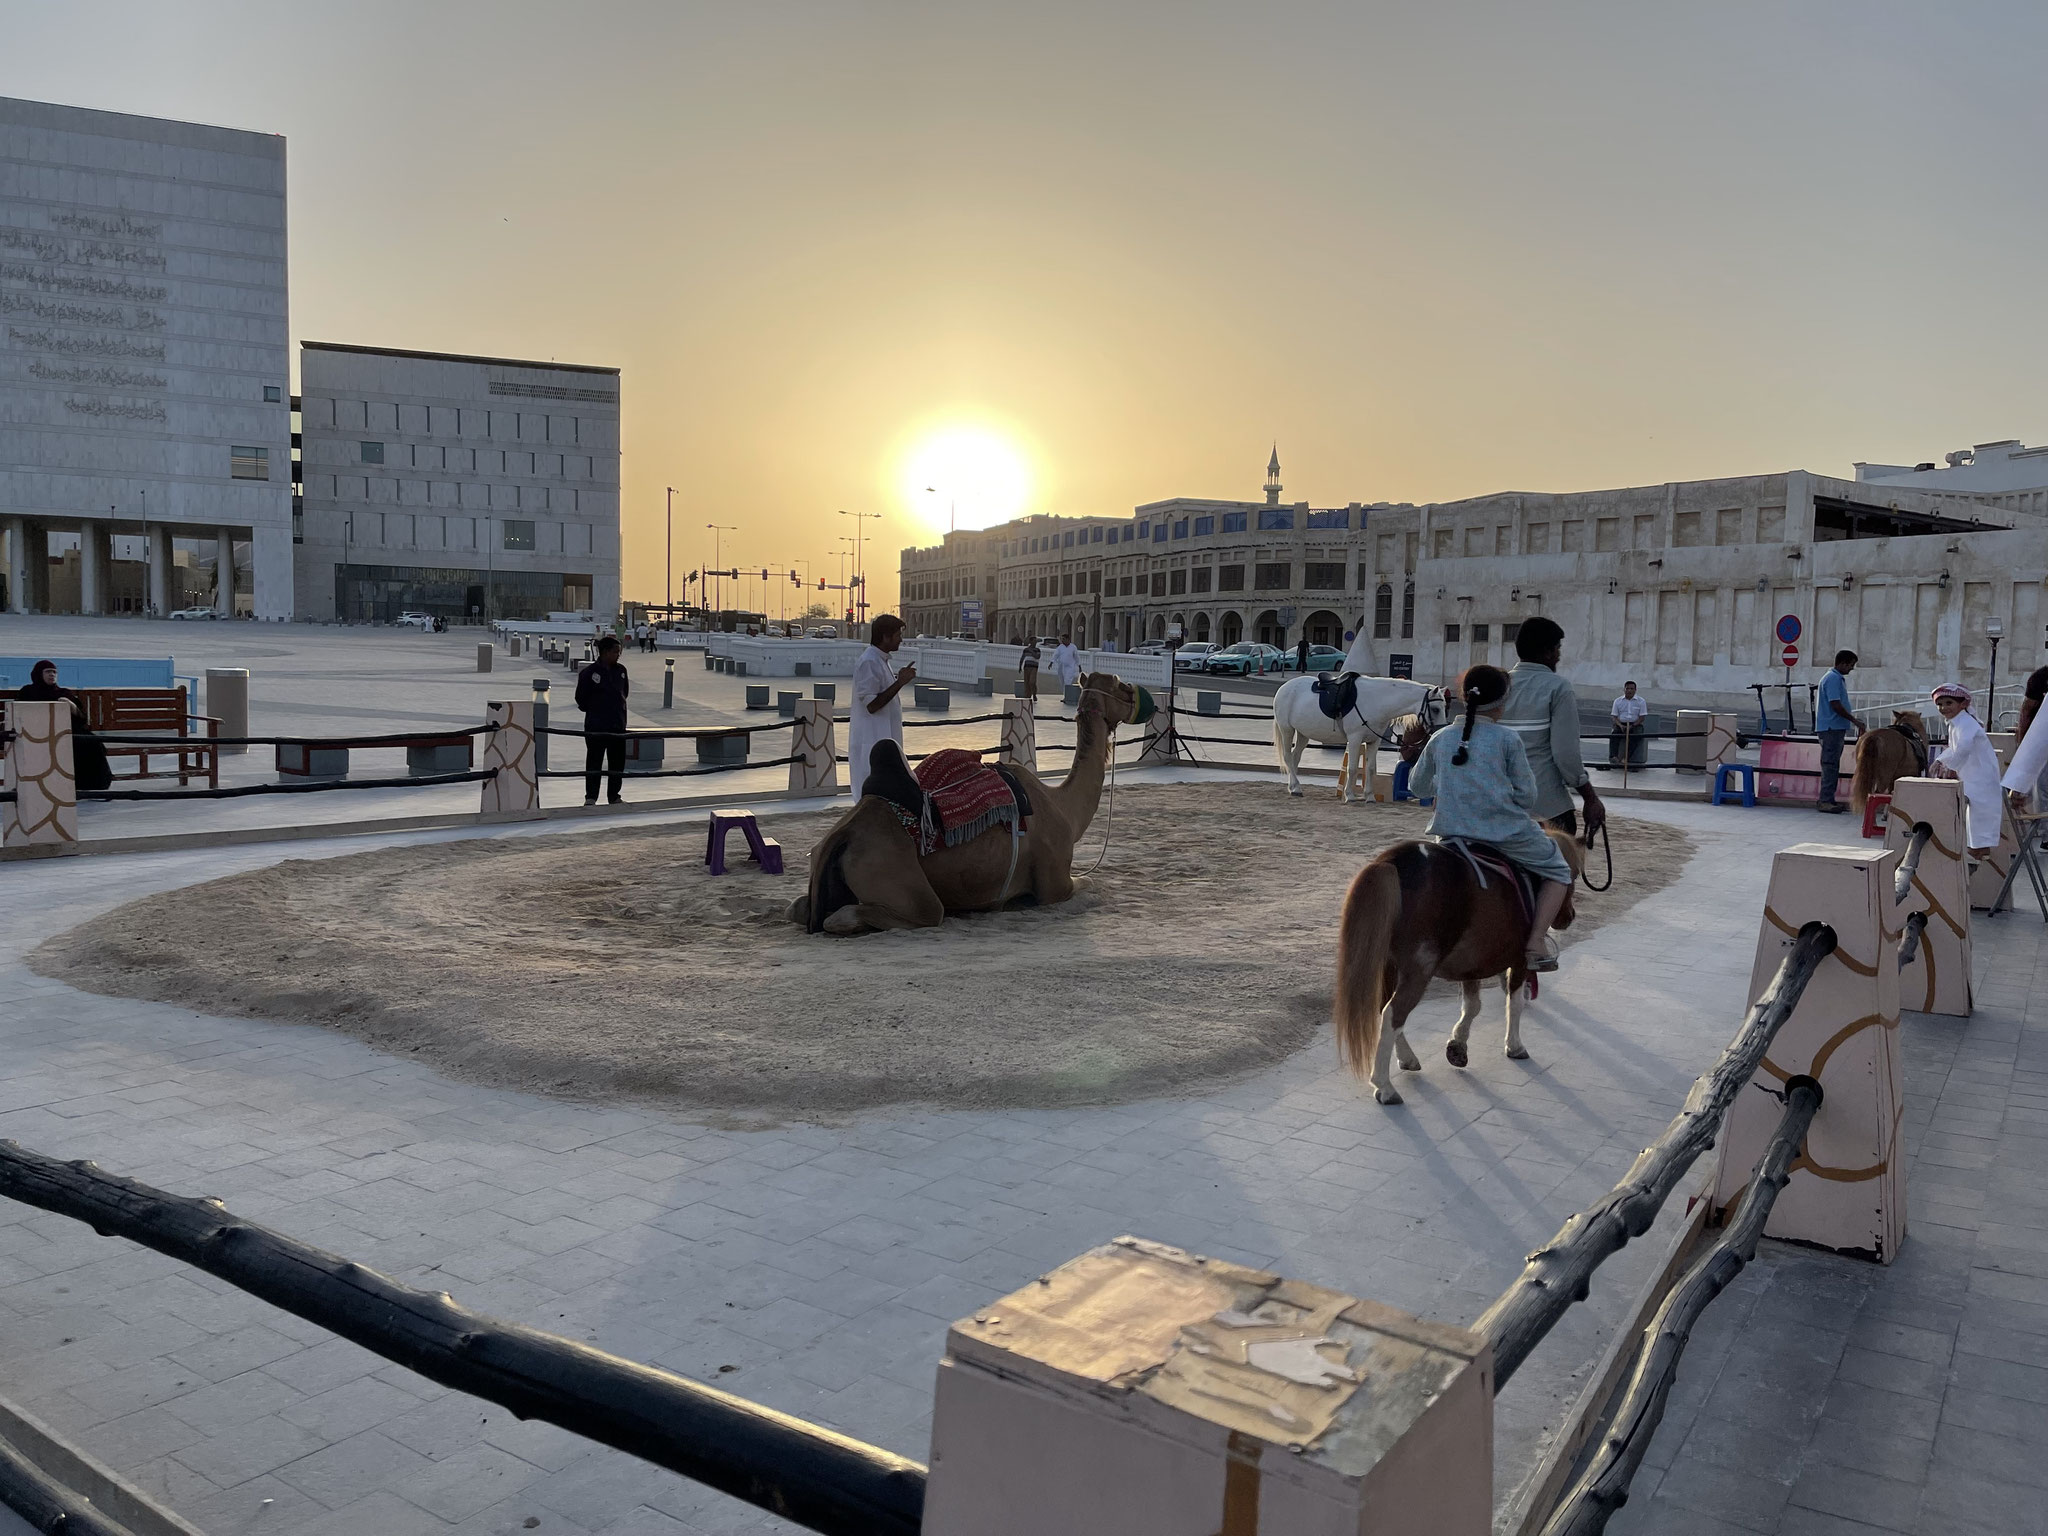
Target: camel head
1119, 702
1911, 721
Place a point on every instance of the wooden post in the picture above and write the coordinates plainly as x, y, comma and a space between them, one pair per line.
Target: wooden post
1848, 1189
1141, 1391
1020, 733
514, 789
1721, 742
1938, 980
42, 818
816, 770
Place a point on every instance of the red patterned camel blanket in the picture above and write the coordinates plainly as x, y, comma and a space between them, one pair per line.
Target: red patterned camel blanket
968, 796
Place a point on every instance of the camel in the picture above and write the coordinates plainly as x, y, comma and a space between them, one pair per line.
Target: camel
1883, 757
1414, 913
866, 874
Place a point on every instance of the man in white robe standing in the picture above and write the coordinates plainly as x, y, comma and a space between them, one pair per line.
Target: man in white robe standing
1969, 756
877, 713
1067, 662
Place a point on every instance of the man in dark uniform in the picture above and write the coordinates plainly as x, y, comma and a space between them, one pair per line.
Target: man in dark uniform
601, 689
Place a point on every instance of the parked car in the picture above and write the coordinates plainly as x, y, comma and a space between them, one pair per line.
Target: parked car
1244, 659
415, 621
825, 632
1191, 656
1321, 658
1151, 648
193, 613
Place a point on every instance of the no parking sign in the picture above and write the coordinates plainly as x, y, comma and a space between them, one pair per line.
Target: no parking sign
1788, 630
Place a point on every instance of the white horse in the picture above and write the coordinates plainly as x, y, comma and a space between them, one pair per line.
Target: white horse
1298, 719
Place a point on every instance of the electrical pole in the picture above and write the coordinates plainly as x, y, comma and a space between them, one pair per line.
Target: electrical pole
669, 566
860, 522
716, 530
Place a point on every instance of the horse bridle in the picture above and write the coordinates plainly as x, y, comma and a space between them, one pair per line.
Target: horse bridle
1432, 694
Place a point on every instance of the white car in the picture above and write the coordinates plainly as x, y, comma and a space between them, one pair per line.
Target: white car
192, 613
1192, 656
825, 632
415, 621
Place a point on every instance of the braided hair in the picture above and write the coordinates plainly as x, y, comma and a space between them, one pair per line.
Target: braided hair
1481, 687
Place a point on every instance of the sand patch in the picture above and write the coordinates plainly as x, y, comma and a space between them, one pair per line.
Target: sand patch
611, 966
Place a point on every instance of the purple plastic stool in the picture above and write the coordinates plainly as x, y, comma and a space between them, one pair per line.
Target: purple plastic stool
767, 852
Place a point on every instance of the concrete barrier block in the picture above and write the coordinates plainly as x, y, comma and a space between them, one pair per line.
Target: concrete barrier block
825, 692
483, 657
730, 747
931, 695
422, 762
1072, 695
985, 687
757, 696
1208, 703
785, 703
303, 762
645, 753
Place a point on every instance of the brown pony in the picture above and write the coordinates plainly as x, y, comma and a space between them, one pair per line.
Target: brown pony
1883, 757
1415, 913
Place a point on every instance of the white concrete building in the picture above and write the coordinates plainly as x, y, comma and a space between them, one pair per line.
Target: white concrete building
144, 357
2005, 474
466, 487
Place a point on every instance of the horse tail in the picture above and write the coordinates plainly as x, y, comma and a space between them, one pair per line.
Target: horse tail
1864, 785
1363, 941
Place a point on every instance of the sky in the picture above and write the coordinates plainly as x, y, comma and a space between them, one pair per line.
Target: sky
1118, 250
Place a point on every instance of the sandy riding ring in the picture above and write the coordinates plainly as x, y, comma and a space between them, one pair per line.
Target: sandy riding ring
611, 966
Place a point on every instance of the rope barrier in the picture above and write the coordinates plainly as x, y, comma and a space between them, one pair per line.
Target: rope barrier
316, 786
672, 773
195, 743
919, 725
681, 733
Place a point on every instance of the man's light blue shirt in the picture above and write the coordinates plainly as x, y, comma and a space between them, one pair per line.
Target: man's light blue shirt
1834, 689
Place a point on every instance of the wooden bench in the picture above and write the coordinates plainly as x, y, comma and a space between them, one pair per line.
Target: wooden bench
152, 712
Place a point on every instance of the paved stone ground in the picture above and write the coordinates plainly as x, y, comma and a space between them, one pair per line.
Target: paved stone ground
1823, 1396
821, 1262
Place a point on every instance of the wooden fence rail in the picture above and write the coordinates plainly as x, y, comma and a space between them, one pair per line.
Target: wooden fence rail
803, 1472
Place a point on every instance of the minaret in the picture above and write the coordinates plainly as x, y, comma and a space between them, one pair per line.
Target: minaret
1273, 478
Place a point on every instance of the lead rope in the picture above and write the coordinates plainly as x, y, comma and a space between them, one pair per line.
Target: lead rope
1605, 847
1109, 815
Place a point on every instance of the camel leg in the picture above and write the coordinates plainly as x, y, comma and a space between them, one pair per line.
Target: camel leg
1511, 982
1408, 992
889, 887
1455, 1052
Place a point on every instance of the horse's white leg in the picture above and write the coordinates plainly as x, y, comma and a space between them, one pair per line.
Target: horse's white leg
1291, 754
1382, 1078
1410, 1062
1514, 1039
1455, 1052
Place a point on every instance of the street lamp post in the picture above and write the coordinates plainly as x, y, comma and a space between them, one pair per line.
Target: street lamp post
860, 522
716, 530
668, 570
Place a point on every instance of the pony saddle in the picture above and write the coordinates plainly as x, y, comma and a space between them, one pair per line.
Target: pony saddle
1488, 863
1916, 742
1336, 694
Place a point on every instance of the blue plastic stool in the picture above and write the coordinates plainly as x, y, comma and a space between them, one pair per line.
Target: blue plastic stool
1722, 793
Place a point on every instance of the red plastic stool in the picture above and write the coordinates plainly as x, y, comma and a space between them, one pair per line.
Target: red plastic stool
1875, 813
766, 851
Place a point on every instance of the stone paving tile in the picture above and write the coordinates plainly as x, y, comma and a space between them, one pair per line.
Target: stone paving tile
1934, 1416
821, 1262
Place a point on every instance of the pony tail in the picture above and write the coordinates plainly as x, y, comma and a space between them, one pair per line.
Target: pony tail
1459, 757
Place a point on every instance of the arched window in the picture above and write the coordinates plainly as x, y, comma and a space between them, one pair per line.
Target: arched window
1383, 612
1201, 626
1408, 610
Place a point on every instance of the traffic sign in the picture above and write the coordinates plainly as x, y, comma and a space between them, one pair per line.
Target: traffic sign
1788, 628
1789, 656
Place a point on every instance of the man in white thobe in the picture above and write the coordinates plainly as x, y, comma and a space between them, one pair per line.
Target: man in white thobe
877, 713
1066, 661
1969, 756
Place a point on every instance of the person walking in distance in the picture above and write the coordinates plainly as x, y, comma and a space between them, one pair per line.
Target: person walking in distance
1301, 656
1835, 724
1625, 740
1543, 712
1029, 663
601, 689
1067, 662
877, 713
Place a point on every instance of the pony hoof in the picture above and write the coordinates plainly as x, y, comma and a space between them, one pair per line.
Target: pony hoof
1455, 1053
1295, 792
1517, 1053
1386, 1096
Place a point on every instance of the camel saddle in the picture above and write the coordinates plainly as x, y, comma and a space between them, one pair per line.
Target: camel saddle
950, 798
1336, 694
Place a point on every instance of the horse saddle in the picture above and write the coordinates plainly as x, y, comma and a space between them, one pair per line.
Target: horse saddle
1485, 859
1914, 741
1336, 695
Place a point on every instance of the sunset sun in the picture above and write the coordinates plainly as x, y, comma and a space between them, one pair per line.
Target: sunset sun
965, 477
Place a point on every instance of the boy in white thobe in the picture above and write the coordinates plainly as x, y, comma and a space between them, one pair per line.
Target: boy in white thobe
877, 713
1970, 757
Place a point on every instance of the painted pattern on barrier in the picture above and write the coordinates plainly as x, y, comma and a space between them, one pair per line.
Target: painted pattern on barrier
1847, 1190
1938, 981
40, 772
817, 767
1020, 733
515, 785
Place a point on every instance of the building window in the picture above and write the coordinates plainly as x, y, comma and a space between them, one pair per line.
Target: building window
1450, 634
1180, 529
1323, 576
1233, 522
1066, 584
1204, 525
273, 394
1159, 581
1230, 578
372, 453
1067, 540
1341, 518
298, 519
1095, 536
1203, 576
1408, 611
1383, 612
1113, 533
518, 533
1509, 633
1276, 518
249, 463
1481, 633
1270, 577
1123, 588
1177, 583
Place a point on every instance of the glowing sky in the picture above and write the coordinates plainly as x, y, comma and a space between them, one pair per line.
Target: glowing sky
1432, 250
